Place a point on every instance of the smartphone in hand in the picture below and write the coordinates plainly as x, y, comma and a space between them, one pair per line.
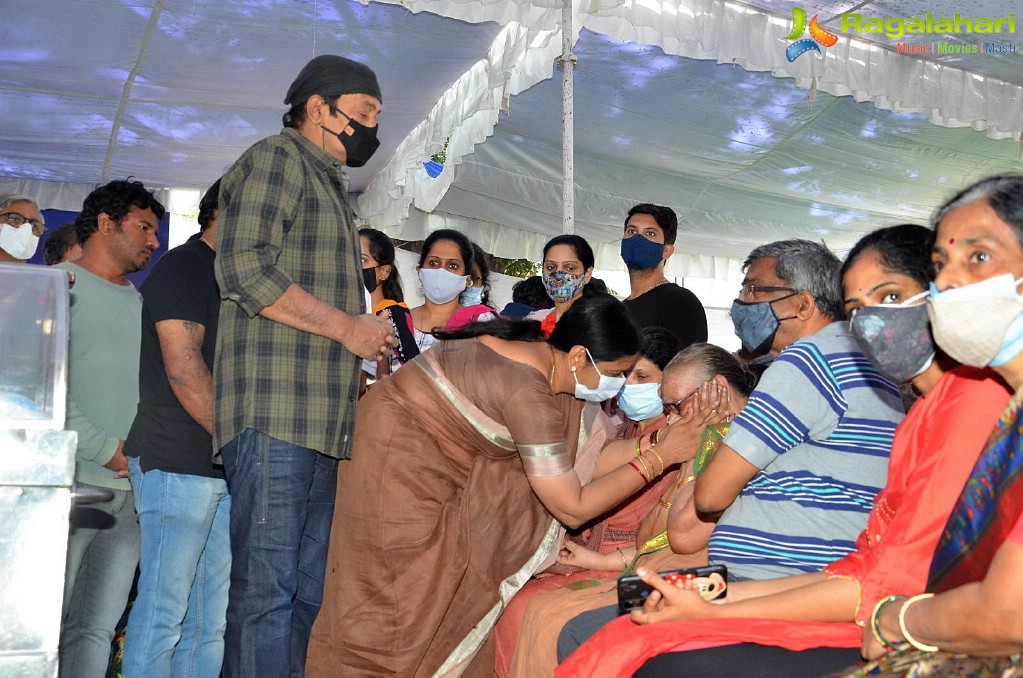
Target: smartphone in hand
711, 581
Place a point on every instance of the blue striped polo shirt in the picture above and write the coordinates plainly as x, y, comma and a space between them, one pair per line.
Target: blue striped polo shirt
819, 427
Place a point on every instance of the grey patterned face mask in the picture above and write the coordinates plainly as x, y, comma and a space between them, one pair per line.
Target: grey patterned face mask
896, 338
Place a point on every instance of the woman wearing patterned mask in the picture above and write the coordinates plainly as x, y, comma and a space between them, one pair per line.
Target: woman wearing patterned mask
967, 621
567, 268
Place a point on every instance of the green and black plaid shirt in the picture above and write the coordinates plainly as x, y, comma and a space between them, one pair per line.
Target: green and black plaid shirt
285, 218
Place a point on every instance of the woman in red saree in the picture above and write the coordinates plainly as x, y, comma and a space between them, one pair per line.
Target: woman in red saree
463, 467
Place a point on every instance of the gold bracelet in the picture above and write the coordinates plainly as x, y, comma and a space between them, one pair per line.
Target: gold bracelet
902, 624
625, 561
645, 463
659, 460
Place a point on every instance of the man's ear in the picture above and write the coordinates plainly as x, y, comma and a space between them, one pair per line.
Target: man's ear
807, 305
668, 251
104, 224
312, 108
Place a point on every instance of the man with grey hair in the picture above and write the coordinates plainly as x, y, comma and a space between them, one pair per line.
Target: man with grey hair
797, 473
21, 224
794, 480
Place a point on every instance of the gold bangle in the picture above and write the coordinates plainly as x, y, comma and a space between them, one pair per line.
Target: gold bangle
625, 561
875, 621
659, 460
902, 624
646, 463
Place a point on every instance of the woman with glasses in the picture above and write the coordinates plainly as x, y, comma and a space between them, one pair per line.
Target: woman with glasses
21, 225
885, 281
702, 388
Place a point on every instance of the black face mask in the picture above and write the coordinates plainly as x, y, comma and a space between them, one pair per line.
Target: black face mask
361, 145
369, 278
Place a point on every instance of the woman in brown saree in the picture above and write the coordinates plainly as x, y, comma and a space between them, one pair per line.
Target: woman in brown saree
446, 507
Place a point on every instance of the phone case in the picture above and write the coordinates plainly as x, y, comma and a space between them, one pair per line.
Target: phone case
711, 580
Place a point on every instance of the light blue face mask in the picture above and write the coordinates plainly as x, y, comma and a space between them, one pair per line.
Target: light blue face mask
641, 401
471, 296
607, 387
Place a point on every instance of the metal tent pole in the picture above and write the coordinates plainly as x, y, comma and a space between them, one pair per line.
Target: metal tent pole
567, 61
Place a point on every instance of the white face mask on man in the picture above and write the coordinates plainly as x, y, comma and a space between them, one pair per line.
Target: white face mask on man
18, 241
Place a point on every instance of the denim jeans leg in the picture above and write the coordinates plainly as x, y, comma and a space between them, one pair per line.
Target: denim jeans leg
269, 481
313, 558
103, 551
200, 654
176, 515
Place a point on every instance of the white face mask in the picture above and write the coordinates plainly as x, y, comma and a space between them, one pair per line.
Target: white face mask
19, 242
441, 286
979, 324
607, 387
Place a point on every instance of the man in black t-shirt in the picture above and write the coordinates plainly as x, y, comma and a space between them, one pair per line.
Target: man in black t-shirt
176, 626
649, 241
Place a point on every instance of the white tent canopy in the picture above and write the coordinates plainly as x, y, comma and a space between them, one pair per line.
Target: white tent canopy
676, 102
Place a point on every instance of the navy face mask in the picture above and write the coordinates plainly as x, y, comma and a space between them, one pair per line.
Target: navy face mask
756, 324
641, 254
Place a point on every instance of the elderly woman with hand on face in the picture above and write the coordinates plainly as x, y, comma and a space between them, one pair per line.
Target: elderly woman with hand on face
702, 388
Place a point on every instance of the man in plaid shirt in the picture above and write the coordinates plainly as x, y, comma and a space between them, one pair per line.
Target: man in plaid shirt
293, 331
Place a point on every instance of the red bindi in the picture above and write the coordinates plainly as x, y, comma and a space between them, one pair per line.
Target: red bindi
951, 240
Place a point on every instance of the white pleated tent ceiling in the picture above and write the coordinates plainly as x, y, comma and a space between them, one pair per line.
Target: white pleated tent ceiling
689, 103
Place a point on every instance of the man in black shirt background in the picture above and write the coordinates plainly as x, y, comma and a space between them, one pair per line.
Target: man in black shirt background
649, 241
176, 626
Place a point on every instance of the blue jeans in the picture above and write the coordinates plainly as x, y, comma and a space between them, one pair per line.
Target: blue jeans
283, 498
176, 627
103, 551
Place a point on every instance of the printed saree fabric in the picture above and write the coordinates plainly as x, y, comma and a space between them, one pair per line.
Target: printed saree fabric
986, 510
434, 513
912, 663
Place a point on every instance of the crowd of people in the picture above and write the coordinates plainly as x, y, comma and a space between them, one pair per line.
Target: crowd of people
312, 478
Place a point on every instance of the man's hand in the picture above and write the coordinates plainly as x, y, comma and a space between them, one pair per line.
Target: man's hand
368, 336
118, 463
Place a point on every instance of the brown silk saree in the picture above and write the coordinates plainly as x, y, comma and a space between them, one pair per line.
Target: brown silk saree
435, 522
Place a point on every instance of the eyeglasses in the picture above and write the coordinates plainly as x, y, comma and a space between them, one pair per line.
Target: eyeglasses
675, 408
749, 290
17, 220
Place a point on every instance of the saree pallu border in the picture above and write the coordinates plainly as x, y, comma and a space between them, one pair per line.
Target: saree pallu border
496, 434
465, 651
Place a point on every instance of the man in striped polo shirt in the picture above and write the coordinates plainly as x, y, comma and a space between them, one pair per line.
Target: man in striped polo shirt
797, 473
